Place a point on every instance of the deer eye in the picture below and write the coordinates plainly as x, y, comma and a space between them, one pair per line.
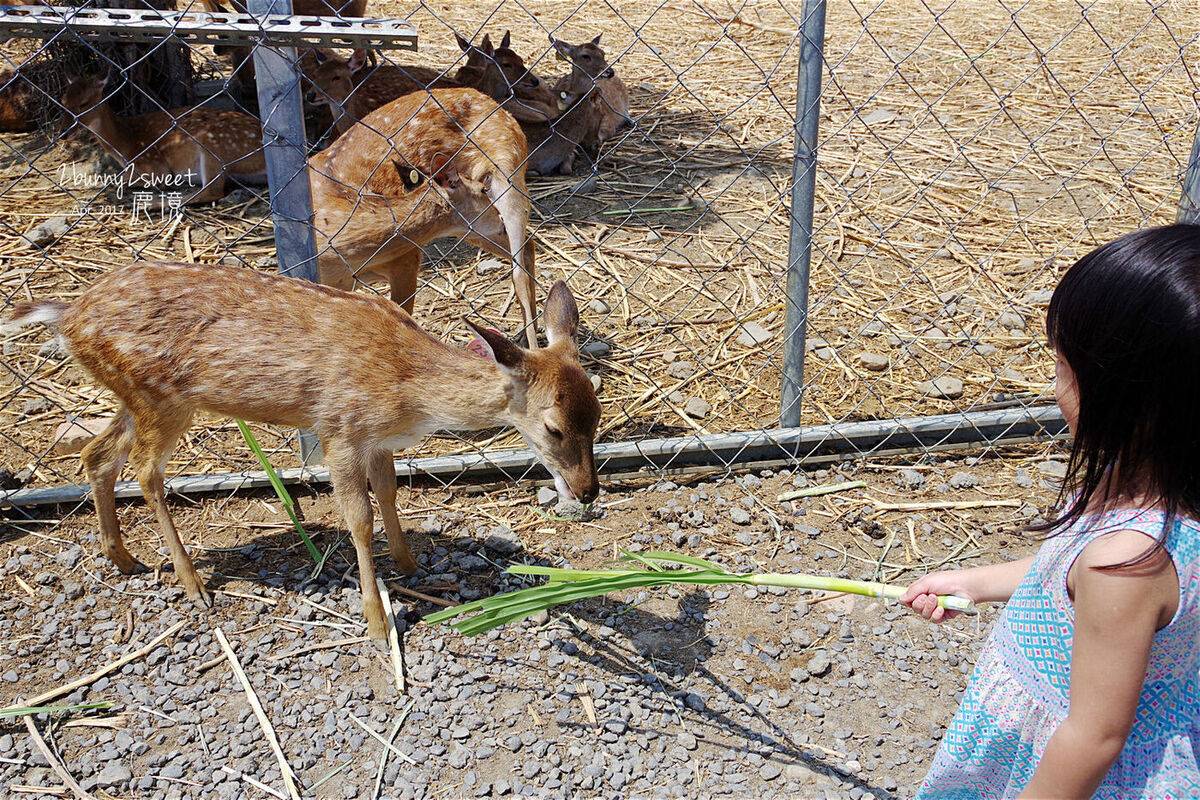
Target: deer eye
410, 176
554, 433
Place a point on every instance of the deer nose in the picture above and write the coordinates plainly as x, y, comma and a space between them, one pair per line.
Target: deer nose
608, 73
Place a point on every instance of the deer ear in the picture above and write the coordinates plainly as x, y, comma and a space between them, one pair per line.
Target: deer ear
320, 55
495, 346
564, 50
505, 41
463, 44
597, 39
561, 316
443, 171
485, 45
358, 60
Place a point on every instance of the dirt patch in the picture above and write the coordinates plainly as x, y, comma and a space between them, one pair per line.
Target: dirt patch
678, 692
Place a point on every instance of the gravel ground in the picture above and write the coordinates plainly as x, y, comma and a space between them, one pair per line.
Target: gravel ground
689, 693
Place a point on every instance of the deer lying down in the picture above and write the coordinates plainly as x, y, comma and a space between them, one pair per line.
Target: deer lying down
173, 339
185, 145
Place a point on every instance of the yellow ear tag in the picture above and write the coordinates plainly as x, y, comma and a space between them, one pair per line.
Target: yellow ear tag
414, 177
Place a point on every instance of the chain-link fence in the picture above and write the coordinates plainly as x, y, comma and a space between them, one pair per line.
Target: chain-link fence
965, 154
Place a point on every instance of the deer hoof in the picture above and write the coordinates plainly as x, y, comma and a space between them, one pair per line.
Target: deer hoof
126, 563
378, 634
200, 597
405, 562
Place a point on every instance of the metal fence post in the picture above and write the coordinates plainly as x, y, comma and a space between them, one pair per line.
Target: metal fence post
286, 148
277, 78
1189, 197
804, 185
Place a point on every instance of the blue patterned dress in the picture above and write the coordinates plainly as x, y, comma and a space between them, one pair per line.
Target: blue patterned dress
1018, 693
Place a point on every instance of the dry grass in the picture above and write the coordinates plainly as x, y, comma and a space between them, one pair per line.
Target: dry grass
968, 155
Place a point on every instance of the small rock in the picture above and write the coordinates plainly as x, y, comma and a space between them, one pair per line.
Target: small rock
596, 349
945, 387
753, 335
69, 557
488, 266
1011, 375
1055, 469
963, 480
596, 382
113, 774
502, 540
873, 361
34, 406
739, 516
984, 349
1010, 320
696, 407
681, 369
880, 116
686, 740
769, 772
598, 306
546, 496
910, 478
1022, 480
47, 232
819, 664
72, 435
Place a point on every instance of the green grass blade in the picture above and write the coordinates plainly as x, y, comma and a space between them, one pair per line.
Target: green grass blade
628, 556
679, 558
289, 505
24, 711
560, 574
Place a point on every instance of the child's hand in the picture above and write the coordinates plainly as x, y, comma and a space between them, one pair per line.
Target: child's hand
922, 595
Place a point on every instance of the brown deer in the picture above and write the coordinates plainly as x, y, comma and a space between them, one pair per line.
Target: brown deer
351, 94
19, 102
353, 368
183, 146
446, 163
588, 64
501, 74
352, 91
552, 145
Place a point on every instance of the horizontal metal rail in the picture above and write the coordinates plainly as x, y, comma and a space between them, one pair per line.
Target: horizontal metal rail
201, 27
819, 443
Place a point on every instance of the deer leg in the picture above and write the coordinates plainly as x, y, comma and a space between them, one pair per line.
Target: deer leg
350, 487
402, 276
211, 188
156, 438
103, 458
383, 484
526, 290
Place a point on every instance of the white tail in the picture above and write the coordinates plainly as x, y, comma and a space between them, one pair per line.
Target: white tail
353, 368
192, 145
425, 166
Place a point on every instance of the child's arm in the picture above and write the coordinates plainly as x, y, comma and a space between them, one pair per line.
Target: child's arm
1116, 615
994, 583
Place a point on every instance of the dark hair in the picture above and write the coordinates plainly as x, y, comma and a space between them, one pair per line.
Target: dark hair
1126, 319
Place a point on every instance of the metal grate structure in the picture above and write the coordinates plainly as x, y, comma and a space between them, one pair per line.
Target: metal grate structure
773, 263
